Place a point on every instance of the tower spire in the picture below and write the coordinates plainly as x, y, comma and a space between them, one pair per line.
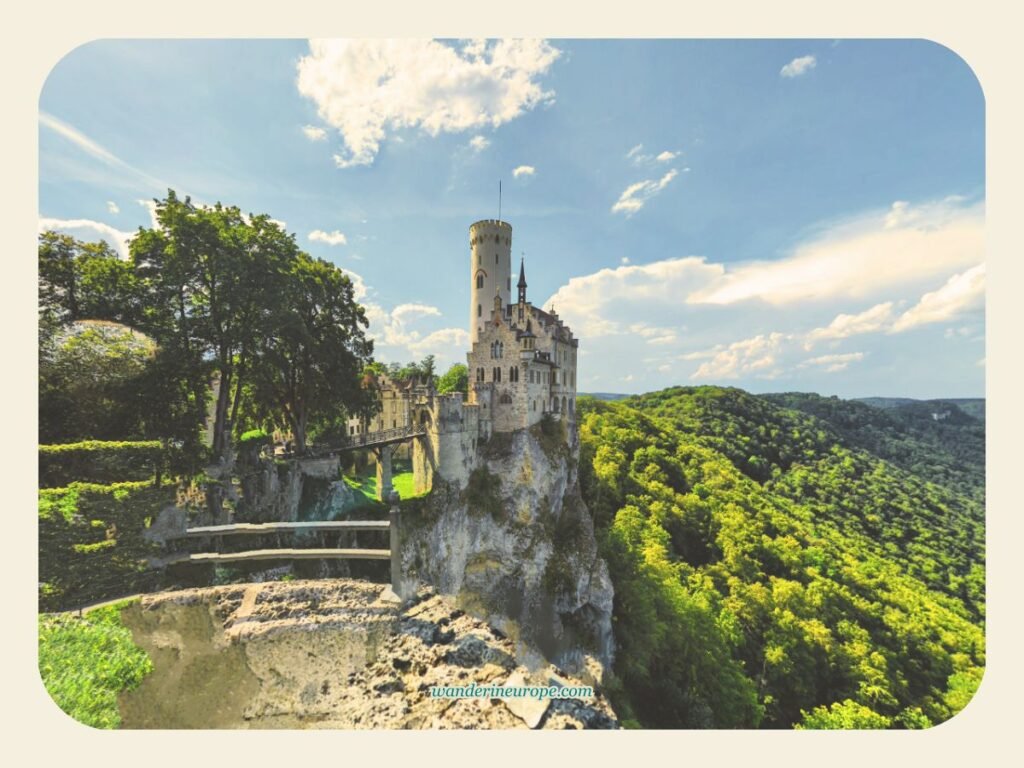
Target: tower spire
522, 279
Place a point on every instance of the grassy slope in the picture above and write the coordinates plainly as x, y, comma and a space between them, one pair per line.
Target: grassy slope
85, 662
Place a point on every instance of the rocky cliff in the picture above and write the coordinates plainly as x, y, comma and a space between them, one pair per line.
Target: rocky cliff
516, 547
334, 654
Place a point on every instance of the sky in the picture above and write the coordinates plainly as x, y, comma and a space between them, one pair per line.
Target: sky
776, 215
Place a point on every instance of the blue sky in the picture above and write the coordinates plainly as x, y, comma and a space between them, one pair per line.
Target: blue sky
775, 215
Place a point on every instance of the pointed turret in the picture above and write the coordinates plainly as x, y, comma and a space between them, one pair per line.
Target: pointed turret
522, 282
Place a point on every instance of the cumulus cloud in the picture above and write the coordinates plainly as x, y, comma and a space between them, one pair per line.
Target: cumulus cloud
860, 257
871, 320
635, 196
479, 143
398, 337
962, 292
589, 302
368, 88
757, 356
666, 156
799, 66
313, 133
850, 279
117, 239
523, 170
330, 238
113, 207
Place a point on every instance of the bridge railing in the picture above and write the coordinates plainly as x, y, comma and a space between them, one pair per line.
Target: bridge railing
363, 440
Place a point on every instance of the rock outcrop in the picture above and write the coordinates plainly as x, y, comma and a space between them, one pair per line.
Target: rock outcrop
333, 654
516, 546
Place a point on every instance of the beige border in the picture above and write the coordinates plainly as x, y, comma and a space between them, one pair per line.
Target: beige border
983, 33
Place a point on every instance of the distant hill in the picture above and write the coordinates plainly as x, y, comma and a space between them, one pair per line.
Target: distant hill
972, 406
610, 396
788, 560
935, 439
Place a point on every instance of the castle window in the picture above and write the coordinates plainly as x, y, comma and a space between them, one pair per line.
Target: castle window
508, 283
506, 398
479, 281
479, 310
495, 258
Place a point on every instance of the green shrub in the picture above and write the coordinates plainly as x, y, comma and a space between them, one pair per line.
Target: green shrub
85, 662
91, 546
101, 461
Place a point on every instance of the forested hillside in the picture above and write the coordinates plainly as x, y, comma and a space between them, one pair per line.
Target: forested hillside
777, 569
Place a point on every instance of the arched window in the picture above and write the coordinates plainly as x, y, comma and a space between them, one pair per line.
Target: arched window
554, 404
501, 349
506, 398
479, 281
511, 373
572, 406
563, 406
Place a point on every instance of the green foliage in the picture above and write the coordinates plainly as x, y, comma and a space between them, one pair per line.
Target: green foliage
948, 451
101, 461
455, 379
764, 570
257, 436
846, 715
91, 546
86, 662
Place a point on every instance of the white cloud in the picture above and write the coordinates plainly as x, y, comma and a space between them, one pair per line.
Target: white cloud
962, 292
636, 195
524, 170
590, 302
624, 260
113, 207
150, 205
833, 363
117, 239
331, 238
367, 88
861, 257
637, 155
871, 320
757, 356
479, 143
313, 133
799, 66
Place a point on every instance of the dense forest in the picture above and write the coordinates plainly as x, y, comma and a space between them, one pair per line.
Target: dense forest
788, 561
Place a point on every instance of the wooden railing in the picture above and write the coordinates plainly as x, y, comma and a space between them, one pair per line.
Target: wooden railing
291, 553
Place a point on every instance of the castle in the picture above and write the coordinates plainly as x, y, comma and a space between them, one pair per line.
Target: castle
522, 365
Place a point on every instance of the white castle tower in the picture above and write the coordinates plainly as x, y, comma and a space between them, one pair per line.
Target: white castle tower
490, 269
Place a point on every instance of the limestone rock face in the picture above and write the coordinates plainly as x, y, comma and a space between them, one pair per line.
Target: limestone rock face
296, 489
516, 547
333, 654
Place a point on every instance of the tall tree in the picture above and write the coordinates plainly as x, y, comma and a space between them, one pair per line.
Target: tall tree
310, 361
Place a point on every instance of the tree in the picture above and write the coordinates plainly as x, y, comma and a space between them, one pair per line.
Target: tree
208, 276
455, 379
427, 370
309, 364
